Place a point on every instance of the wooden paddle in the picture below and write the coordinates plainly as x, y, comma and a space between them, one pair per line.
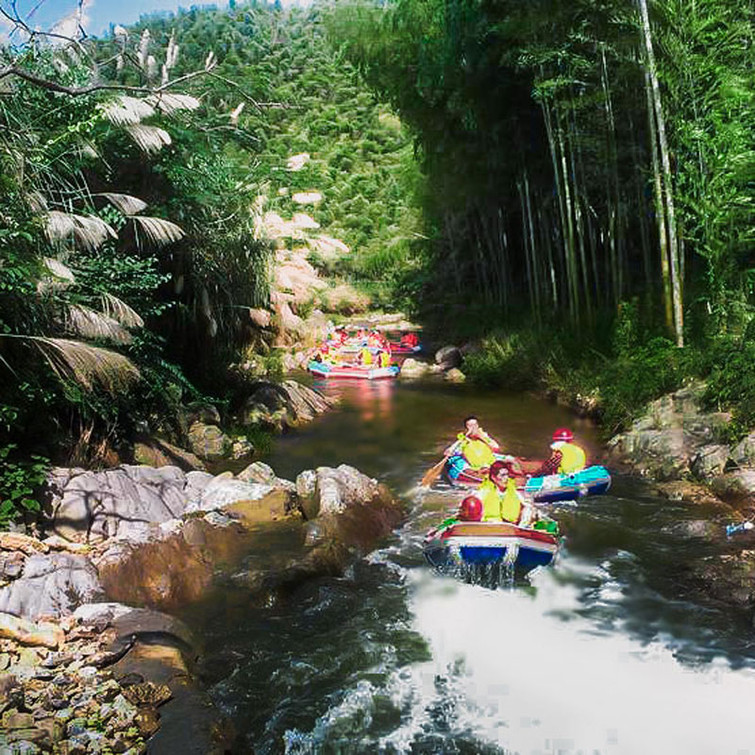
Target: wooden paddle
433, 473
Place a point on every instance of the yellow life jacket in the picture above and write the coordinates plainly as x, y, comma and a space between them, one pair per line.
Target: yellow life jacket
573, 459
511, 503
490, 496
476, 452
385, 359
497, 505
366, 356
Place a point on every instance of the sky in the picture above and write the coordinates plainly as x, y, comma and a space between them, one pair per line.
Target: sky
96, 15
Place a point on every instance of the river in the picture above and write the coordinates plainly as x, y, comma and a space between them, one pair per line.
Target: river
605, 652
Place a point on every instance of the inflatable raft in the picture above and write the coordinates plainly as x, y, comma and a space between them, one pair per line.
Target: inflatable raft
325, 370
404, 349
558, 487
455, 542
567, 487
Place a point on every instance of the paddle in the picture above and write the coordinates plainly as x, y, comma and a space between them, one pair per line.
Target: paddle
433, 473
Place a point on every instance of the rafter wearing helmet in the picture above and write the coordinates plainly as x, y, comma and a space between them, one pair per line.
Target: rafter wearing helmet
566, 456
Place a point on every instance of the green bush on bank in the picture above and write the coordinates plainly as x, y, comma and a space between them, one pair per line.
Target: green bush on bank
623, 375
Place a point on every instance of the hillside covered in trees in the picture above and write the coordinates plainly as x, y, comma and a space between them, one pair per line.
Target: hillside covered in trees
114, 316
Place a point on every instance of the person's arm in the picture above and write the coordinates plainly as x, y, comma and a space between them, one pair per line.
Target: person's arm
549, 466
455, 446
490, 440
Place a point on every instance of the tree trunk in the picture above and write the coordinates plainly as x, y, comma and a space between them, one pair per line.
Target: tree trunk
673, 247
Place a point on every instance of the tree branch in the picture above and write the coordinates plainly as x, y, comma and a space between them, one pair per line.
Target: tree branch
54, 86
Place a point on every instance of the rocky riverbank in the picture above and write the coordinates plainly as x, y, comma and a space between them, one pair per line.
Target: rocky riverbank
82, 671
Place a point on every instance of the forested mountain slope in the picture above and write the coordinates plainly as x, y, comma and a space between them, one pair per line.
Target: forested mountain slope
291, 91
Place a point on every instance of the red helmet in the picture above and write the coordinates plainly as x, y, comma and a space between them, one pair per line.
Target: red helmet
470, 509
564, 434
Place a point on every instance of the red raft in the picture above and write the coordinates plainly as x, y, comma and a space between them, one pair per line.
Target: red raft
524, 548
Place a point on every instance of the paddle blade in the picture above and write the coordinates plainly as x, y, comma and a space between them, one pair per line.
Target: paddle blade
433, 474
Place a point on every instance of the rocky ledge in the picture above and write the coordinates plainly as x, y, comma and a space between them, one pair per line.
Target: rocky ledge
677, 440
86, 656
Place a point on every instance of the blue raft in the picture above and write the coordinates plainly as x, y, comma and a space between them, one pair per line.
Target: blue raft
568, 487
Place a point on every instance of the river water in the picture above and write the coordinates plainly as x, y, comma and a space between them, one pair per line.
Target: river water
605, 652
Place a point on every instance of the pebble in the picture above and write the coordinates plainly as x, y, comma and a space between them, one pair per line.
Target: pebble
64, 714
87, 673
59, 701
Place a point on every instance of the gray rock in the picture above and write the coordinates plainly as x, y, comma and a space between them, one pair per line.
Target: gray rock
413, 368
196, 482
736, 487
306, 482
11, 564
121, 502
209, 441
258, 472
709, 461
216, 519
224, 491
455, 375
145, 623
674, 437
100, 613
287, 404
241, 448
199, 411
337, 489
51, 585
448, 357
743, 453
156, 452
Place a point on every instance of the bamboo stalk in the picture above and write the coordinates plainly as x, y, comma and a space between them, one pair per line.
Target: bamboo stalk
673, 247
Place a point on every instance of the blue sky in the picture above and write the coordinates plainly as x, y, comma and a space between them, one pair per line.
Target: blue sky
97, 15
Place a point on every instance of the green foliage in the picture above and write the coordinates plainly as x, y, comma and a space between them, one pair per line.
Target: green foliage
731, 384
20, 483
512, 361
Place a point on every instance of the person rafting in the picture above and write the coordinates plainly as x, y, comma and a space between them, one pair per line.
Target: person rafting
566, 456
409, 340
474, 444
501, 499
365, 357
383, 358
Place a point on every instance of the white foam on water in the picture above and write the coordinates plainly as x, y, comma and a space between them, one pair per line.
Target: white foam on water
533, 682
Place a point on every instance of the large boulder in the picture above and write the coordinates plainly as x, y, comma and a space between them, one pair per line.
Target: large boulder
674, 438
736, 487
122, 502
209, 441
342, 487
201, 411
155, 452
258, 472
282, 405
743, 454
51, 585
709, 461
224, 490
448, 357
412, 369
170, 570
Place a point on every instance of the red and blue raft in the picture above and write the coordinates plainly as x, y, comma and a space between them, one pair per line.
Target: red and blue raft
479, 543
